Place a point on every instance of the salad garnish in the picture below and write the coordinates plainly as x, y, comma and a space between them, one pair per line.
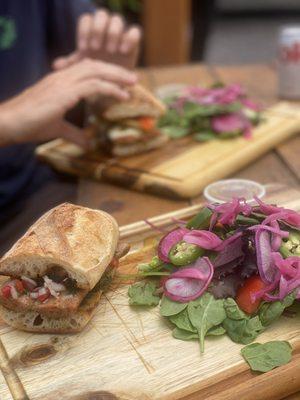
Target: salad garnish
209, 113
232, 269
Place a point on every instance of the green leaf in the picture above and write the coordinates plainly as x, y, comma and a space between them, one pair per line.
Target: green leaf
182, 334
265, 357
269, 312
243, 331
216, 331
154, 264
242, 220
175, 132
182, 321
205, 313
233, 311
169, 307
143, 294
201, 220
204, 136
170, 118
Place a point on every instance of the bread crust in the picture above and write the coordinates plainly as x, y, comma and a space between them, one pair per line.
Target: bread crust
73, 323
80, 240
141, 103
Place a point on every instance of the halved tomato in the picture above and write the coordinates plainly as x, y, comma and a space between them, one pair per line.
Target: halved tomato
243, 298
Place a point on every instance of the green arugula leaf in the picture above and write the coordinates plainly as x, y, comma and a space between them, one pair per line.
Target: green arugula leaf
265, 357
169, 307
201, 220
216, 331
182, 334
182, 321
269, 312
243, 331
143, 294
175, 132
233, 311
204, 136
242, 220
170, 118
205, 313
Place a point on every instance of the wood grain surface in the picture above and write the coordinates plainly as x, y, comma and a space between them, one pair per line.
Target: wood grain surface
129, 354
182, 168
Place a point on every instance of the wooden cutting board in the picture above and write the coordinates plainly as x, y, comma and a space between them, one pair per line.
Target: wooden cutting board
129, 354
182, 168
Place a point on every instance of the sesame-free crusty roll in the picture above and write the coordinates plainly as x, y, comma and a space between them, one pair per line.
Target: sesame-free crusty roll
79, 240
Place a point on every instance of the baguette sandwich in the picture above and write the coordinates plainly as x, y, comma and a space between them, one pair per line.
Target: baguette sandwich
58, 270
128, 127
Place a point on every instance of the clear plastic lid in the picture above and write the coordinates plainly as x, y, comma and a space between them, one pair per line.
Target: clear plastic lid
224, 190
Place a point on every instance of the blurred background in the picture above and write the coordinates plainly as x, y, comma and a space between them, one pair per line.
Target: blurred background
214, 31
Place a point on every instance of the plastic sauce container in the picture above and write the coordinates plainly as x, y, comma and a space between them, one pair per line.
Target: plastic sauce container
224, 190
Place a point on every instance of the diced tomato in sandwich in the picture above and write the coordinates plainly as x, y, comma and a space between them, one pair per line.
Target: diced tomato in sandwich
147, 123
19, 285
244, 299
44, 294
5, 291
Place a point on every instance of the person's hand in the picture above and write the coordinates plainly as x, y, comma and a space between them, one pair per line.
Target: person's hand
38, 113
105, 37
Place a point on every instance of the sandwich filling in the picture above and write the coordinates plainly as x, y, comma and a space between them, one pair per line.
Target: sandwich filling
124, 132
54, 295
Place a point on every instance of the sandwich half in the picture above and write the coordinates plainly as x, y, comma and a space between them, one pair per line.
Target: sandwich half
128, 127
56, 272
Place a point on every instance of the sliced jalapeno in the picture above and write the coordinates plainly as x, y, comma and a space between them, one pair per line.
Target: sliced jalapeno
291, 245
184, 253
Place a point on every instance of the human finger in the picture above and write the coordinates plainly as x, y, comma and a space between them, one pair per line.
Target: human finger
99, 26
64, 62
93, 87
87, 69
83, 31
114, 33
131, 40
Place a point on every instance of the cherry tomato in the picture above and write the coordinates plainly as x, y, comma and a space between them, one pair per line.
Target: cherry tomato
243, 298
146, 123
19, 285
5, 291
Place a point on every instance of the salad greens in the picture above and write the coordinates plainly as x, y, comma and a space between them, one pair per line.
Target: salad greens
265, 357
206, 313
224, 272
210, 113
143, 294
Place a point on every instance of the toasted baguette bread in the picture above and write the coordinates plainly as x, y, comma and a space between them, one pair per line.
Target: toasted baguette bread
130, 149
33, 322
80, 240
141, 103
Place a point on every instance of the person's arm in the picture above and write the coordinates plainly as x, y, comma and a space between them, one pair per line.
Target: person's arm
37, 114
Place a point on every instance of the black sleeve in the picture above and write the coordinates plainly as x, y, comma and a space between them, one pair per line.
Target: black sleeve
62, 16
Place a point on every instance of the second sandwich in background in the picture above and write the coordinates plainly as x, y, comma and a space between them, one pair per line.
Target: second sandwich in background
129, 127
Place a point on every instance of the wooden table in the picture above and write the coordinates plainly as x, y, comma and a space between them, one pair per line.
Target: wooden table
281, 165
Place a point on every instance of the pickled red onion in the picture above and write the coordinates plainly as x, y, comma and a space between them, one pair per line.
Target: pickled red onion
189, 283
205, 239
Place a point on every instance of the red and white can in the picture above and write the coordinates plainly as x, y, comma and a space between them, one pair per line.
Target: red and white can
289, 62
